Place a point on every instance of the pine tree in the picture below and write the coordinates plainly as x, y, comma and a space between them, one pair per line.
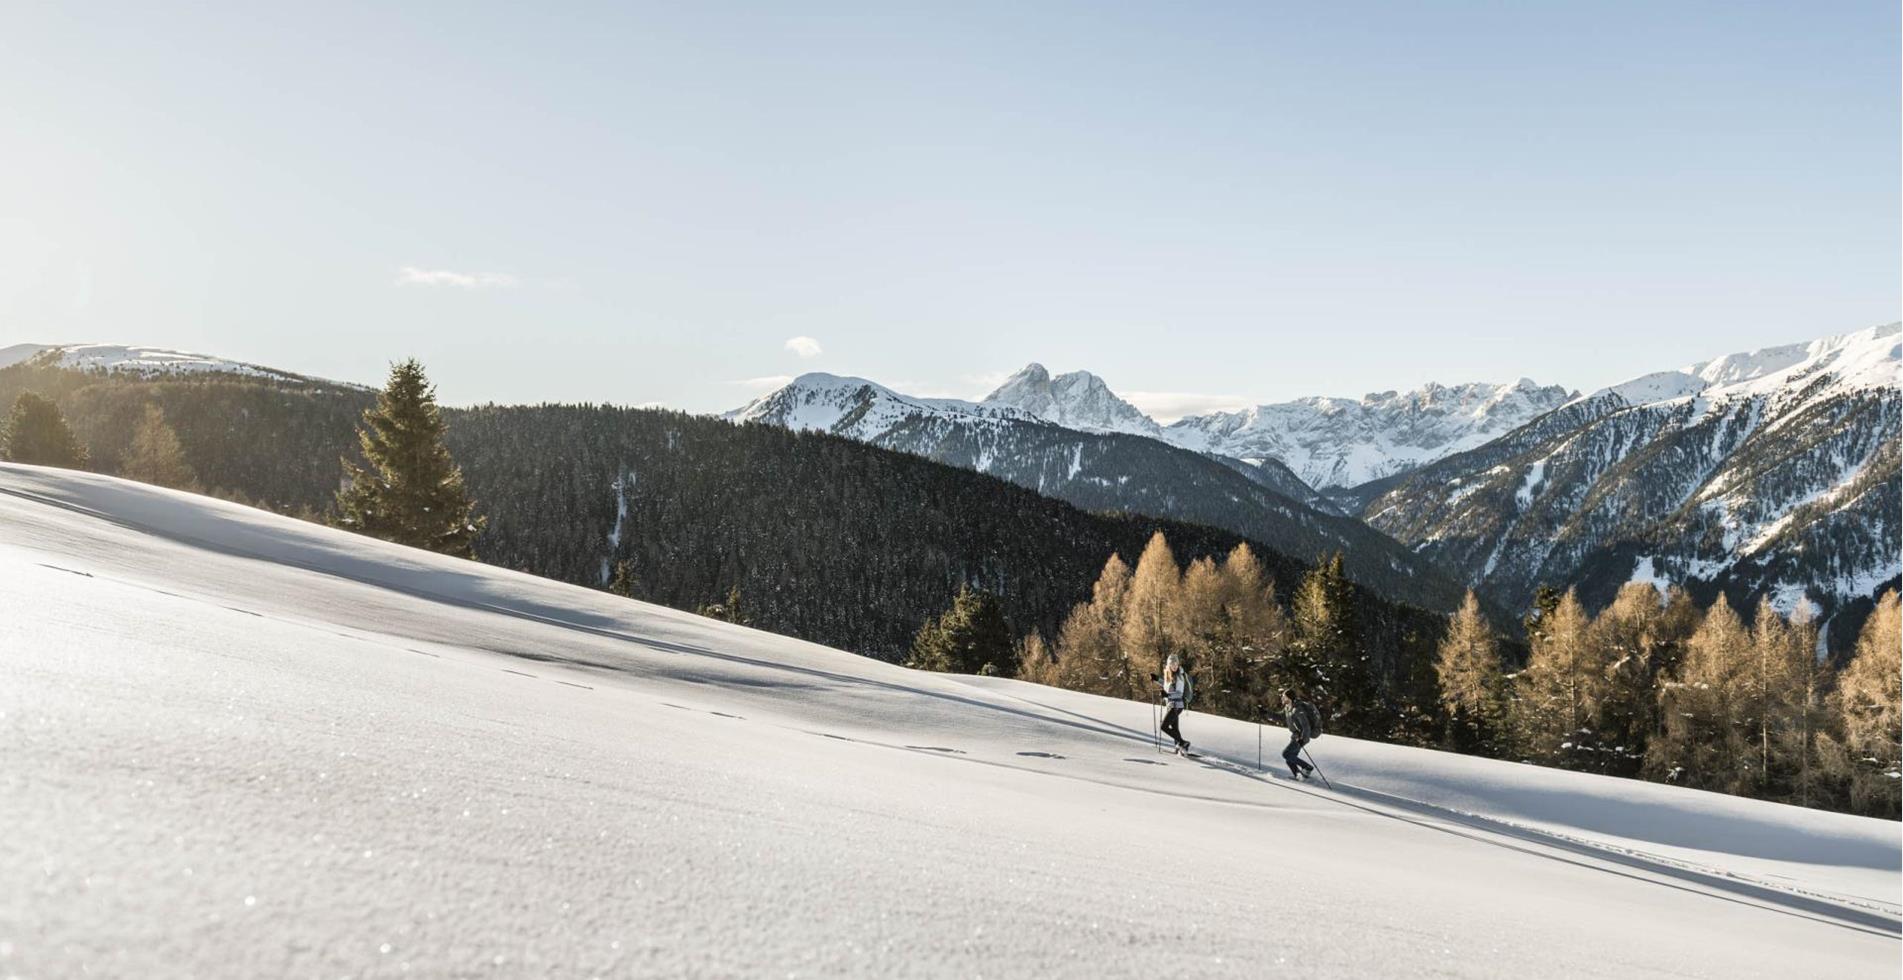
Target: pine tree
1560, 690
1701, 743
35, 432
156, 456
969, 638
1866, 703
1472, 682
411, 491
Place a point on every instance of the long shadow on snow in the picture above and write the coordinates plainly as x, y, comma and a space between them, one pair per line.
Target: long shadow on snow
362, 572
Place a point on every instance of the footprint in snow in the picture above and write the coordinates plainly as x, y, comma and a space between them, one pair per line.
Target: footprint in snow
1042, 755
1147, 762
936, 748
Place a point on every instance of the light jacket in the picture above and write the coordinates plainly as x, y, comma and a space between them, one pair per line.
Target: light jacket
1173, 690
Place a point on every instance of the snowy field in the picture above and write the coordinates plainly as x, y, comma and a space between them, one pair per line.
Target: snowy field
238, 745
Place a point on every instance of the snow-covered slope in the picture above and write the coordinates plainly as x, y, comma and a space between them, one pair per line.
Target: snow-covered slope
16, 353
241, 745
119, 358
1339, 442
1076, 400
1771, 472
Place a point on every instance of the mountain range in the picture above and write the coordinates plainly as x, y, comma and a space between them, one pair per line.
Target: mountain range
1765, 473
1770, 472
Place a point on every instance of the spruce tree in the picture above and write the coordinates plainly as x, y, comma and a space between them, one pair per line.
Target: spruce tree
1865, 756
1326, 662
156, 456
34, 432
969, 638
1472, 682
410, 491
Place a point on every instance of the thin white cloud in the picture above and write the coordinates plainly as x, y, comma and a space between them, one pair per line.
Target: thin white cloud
1169, 406
804, 346
767, 383
410, 275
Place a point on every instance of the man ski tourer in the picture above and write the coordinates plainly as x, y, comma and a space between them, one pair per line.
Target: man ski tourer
1304, 724
1176, 688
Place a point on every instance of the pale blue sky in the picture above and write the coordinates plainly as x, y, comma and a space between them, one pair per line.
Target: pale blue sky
634, 203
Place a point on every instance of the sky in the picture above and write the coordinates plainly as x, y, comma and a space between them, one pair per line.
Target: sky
1208, 204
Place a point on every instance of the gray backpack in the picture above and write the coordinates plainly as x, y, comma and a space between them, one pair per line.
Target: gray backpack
1311, 719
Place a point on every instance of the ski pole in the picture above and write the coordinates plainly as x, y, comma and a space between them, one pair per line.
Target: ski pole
1318, 769
1156, 729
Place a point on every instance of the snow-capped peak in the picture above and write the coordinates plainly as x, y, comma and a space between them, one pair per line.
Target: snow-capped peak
1342, 442
1868, 358
1075, 400
855, 407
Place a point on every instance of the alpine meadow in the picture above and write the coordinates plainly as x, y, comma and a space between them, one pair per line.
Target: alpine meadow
600, 507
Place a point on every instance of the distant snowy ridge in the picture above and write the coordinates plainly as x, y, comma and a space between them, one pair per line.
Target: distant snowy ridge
141, 361
1854, 361
1338, 442
859, 409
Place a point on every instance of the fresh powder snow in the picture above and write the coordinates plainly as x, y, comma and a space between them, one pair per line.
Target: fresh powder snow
243, 745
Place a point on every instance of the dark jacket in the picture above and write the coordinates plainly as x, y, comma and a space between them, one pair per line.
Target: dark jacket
1296, 720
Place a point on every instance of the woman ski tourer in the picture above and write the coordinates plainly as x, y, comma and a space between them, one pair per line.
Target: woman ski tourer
1176, 689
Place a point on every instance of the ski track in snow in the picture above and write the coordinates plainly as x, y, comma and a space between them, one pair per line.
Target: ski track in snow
226, 758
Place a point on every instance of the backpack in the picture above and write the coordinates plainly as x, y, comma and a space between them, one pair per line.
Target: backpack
1189, 688
1311, 719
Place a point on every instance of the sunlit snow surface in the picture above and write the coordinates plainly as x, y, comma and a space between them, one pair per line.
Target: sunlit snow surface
237, 745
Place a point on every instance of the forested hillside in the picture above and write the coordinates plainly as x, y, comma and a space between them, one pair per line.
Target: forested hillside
827, 539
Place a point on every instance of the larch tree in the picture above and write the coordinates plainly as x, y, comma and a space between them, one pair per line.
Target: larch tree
1147, 634
1804, 714
1560, 690
1702, 743
1866, 703
35, 432
1259, 633
1632, 632
1765, 690
408, 489
1089, 648
155, 456
1471, 677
